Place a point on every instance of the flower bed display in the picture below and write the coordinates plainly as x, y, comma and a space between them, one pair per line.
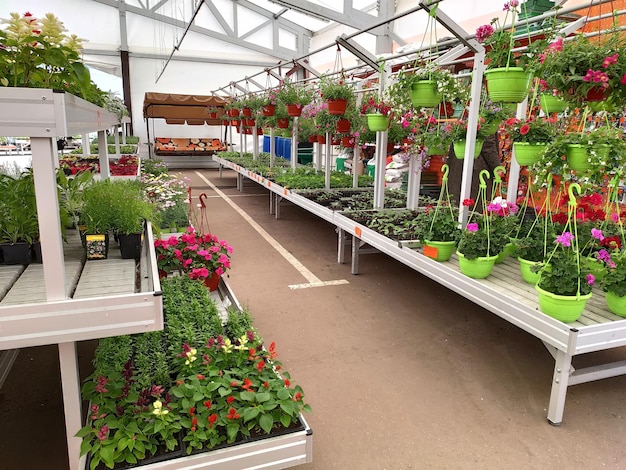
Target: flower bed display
200, 384
126, 165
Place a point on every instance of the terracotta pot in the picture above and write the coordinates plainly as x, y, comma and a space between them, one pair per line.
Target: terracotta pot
598, 94
213, 281
247, 112
335, 141
313, 138
337, 106
321, 139
282, 123
232, 113
446, 109
347, 141
294, 110
343, 125
269, 110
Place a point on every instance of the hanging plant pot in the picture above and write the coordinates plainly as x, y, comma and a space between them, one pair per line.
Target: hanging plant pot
347, 142
321, 139
212, 115
578, 158
249, 122
97, 246
294, 110
247, 112
269, 110
424, 94
598, 94
282, 123
225, 122
491, 129
232, 113
259, 131
313, 138
439, 251
433, 151
528, 154
377, 122
459, 149
337, 106
477, 268
567, 308
527, 274
335, 141
552, 104
446, 110
507, 84
616, 304
343, 125
436, 162
15, 253
508, 249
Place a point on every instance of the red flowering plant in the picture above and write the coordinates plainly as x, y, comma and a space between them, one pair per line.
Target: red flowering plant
231, 387
582, 67
193, 254
373, 104
532, 130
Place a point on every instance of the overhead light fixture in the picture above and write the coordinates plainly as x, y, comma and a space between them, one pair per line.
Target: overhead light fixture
299, 10
366, 56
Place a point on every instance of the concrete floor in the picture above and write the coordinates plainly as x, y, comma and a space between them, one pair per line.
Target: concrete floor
401, 372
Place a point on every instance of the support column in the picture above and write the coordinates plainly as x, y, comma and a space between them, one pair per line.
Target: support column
294, 144
379, 175
413, 190
272, 147
560, 381
255, 143
116, 136
327, 163
104, 157
70, 380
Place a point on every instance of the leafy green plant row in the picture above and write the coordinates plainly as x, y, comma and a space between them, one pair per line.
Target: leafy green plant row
201, 382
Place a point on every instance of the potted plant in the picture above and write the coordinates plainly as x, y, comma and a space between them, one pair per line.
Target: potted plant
586, 70
18, 218
530, 137
440, 230
294, 95
564, 285
493, 115
479, 247
97, 219
376, 111
614, 283
37, 53
508, 75
336, 93
458, 135
430, 85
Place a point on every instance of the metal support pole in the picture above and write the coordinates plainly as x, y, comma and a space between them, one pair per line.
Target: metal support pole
272, 147
70, 380
294, 144
318, 156
116, 136
472, 122
341, 246
355, 164
379, 170
105, 173
230, 136
356, 243
327, 163
86, 145
255, 143
413, 190
241, 150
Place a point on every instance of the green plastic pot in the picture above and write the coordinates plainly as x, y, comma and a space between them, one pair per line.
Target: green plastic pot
424, 94
478, 268
439, 251
377, 122
616, 304
459, 149
506, 251
578, 157
552, 104
526, 153
527, 275
507, 84
566, 308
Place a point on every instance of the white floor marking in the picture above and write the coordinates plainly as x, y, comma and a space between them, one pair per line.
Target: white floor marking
314, 281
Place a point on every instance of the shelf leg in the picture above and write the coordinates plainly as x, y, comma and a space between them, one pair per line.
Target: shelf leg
70, 379
272, 202
560, 381
103, 150
341, 246
277, 206
356, 243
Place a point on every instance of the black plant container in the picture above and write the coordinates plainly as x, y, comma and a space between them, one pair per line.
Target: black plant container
130, 245
16, 253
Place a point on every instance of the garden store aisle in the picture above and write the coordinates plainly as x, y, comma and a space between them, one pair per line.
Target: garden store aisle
401, 373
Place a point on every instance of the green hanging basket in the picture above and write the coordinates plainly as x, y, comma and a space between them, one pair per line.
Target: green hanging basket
477, 268
377, 122
527, 274
552, 104
528, 154
567, 308
578, 157
424, 94
439, 251
507, 84
616, 304
459, 149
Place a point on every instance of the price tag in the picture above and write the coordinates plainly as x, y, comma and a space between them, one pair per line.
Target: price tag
269, 184
431, 252
285, 192
357, 231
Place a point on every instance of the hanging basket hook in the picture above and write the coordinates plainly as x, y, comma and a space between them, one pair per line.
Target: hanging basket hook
484, 174
497, 171
570, 192
445, 169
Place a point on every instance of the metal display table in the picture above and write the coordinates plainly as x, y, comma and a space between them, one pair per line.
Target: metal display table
503, 293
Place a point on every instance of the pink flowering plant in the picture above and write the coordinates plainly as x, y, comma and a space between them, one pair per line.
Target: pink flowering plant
582, 66
373, 104
498, 38
487, 234
195, 255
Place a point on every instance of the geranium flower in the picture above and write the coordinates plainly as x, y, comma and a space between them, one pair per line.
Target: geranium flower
524, 129
612, 59
483, 32
468, 202
472, 227
565, 239
591, 279
597, 234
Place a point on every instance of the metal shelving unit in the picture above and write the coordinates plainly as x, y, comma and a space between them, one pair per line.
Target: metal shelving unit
44, 115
